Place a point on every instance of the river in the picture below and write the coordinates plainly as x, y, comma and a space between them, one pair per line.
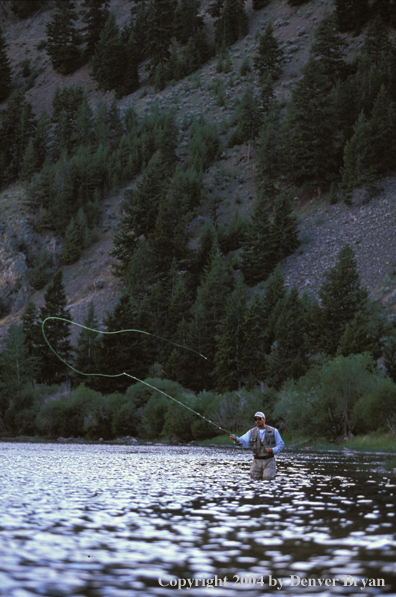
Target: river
99, 520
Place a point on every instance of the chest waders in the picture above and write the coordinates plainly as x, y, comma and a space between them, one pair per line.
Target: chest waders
258, 446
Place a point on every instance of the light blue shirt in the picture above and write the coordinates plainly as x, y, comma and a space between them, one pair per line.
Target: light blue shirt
280, 444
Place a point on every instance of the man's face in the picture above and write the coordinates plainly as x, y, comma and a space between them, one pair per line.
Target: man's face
259, 422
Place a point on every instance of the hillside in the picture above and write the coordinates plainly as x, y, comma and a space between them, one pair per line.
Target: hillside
369, 227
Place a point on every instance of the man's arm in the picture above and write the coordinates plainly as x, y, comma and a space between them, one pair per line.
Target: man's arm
244, 439
280, 444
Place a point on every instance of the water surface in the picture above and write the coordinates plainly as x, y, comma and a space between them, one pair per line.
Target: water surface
119, 521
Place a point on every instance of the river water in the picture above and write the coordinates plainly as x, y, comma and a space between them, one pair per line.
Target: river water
119, 521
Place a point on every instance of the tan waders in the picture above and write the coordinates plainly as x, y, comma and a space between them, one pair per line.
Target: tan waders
263, 468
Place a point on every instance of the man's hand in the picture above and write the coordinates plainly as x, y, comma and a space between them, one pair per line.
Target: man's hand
233, 437
268, 449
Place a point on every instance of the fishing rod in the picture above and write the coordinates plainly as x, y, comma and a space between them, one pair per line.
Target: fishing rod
124, 373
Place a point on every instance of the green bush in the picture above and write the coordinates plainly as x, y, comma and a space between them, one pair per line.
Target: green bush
377, 409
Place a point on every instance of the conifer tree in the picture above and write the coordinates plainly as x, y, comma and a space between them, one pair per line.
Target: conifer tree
18, 125
270, 150
30, 162
206, 244
31, 329
122, 352
71, 244
41, 136
246, 117
269, 58
289, 358
109, 58
284, 227
259, 251
131, 75
207, 311
310, 128
52, 370
259, 4
139, 30
272, 302
383, 131
377, 42
160, 30
253, 345
228, 371
16, 367
357, 338
87, 351
341, 296
63, 39
329, 47
352, 14
24, 8
94, 14
232, 24
359, 160
188, 20
41, 273
5, 69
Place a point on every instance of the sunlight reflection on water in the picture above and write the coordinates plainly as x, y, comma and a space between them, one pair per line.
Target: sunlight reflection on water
109, 521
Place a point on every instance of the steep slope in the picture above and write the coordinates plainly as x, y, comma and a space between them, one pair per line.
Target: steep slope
324, 228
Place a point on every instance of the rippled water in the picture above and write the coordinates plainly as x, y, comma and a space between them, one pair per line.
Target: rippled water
119, 521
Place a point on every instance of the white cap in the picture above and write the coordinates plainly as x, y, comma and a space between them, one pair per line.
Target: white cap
259, 414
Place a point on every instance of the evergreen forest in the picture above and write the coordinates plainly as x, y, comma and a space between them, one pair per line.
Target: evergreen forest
214, 322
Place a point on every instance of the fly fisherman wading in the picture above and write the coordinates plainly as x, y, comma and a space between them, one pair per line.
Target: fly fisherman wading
265, 441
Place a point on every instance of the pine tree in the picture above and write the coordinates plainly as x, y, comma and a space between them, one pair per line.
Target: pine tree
95, 14
383, 132
131, 75
329, 48
41, 268
160, 30
110, 57
357, 338
352, 14
289, 358
18, 125
274, 294
284, 227
188, 20
259, 4
359, 160
52, 369
270, 56
341, 297
228, 371
310, 128
31, 330
41, 137
122, 352
30, 162
270, 149
71, 244
63, 39
25, 8
87, 351
377, 42
259, 256
5, 69
233, 23
207, 311
253, 346
246, 117
16, 367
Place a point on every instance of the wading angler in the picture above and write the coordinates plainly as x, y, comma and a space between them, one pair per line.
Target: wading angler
265, 441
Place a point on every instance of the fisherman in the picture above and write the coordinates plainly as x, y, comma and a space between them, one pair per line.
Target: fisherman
265, 442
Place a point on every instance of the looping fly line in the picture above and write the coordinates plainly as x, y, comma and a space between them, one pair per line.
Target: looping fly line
124, 373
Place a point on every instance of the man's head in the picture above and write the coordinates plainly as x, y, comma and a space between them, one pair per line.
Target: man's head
259, 419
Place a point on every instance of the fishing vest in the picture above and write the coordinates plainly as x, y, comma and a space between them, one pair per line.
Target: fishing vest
258, 446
